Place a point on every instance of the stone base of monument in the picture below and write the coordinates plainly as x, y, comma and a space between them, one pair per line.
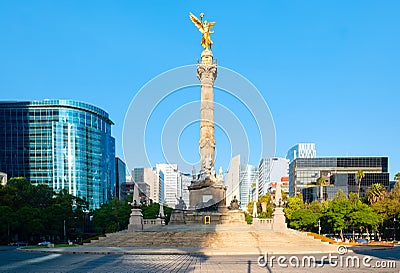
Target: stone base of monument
177, 217
191, 217
210, 198
215, 218
136, 220
278, 220
236, 217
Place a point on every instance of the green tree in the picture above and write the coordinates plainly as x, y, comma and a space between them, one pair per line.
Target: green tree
7, 223
353, 198
54, 216
304, 219
315, 207
150, 211
17, 193
336, 214
293, 204
359, 175
250, 208
265, 206
388, 208
363, 217
29, 223
112, 216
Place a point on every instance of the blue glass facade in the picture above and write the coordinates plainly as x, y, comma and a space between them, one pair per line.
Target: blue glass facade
61, 143
248, 175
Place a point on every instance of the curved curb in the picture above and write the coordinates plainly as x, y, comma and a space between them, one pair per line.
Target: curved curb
166, 251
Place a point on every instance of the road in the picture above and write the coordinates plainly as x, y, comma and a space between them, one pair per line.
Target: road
12, 260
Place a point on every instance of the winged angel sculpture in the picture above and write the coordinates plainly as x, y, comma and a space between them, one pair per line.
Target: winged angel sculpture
204, 28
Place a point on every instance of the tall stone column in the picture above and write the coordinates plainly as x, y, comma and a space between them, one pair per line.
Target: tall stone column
206, 73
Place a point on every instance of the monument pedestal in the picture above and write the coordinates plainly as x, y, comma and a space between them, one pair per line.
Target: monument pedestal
278, 220
177, 217
136, 220
236, 217
210, 198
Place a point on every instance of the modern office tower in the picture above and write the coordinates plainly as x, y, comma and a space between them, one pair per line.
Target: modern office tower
240, 181
171, 181
61, 143
301, 150
158, 192
120, 177
271, 170
248, 176
338, 172
144, 192
232, 180
152, 177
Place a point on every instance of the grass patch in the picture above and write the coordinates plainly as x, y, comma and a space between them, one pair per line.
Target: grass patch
55, 246
33, 247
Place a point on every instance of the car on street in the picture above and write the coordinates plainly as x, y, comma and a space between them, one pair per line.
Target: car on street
360, 240
44, 243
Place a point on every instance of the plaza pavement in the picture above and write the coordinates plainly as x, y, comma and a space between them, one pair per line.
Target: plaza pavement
218, 240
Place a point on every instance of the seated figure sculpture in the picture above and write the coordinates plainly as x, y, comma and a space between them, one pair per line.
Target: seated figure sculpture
235, 204
181, 204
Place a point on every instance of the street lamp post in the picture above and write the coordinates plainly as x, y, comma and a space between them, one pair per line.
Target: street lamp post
65, 234
394, 228
319, 226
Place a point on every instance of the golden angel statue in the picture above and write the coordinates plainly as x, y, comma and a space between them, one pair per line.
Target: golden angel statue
204, 28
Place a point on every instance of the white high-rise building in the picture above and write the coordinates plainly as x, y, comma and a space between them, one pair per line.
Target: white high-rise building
232, 180
154, 178
171, 183
271, 170
302, 150
240, 180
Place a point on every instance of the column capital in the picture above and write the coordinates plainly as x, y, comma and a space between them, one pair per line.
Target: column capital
207, 73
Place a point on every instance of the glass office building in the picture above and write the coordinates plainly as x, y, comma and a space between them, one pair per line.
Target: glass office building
120, 178
248, 175
271, 170
338, 172
61, 143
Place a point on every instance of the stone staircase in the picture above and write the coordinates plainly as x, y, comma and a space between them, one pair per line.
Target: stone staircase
218, 236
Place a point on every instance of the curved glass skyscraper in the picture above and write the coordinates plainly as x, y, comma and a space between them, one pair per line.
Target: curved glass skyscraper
61, 143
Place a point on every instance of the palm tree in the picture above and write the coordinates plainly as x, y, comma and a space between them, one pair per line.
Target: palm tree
376, 193
321, 182
397, 177
359, 175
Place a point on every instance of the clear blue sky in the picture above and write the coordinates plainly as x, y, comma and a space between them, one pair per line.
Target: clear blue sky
328, 70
